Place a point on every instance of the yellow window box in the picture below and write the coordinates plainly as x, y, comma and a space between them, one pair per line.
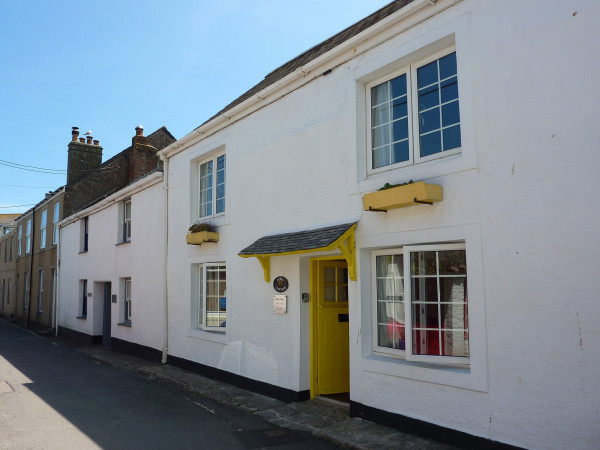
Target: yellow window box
403, 196
201, 237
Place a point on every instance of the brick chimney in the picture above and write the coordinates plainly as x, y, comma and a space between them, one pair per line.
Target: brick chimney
142, 159
83, 156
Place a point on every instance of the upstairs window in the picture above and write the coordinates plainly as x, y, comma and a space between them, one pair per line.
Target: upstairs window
84, 224
414, 114
28, 237
43, 225
211, 187
127, 221
55, 219
20, 241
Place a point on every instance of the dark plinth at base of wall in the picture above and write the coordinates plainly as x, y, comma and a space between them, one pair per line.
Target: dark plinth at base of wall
424, 429
260, 387
141, 351
78, 337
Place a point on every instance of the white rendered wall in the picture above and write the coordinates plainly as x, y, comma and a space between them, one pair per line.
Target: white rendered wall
520, 195
107, 260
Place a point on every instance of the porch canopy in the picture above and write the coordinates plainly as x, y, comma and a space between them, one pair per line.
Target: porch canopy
340, 237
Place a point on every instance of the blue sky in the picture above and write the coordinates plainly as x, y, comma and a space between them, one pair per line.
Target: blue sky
109, 66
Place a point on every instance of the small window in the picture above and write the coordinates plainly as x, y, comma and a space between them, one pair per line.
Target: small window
421, 308
28, 237
20, 240
41, 291
84, 224
43, 224
83, 295
127, 221
55, 220
212, 296
10, 250
8, 292
125, 314
414, 114
211, 187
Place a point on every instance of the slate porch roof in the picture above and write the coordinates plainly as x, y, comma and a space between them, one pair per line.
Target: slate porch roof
296, 242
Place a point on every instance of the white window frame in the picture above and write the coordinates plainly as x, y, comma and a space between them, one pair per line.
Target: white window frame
28, 237
43, 226
406, 275
214, 186
410, 70
20, 241
41, 291
126, 226
84, 234
201, 299
126, 303
55, 220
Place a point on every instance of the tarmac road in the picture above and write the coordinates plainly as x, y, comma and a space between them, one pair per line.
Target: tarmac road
52, 396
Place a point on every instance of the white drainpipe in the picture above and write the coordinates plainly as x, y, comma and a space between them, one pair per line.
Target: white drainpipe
165, 349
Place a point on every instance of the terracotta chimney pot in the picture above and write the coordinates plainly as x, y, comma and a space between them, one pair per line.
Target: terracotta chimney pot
139, 130
75, 133
89, 139
82, 140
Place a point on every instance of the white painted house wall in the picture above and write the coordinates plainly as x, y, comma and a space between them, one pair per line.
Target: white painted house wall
520, 195
110, 260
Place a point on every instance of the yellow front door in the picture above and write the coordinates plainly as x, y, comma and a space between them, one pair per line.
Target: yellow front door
332, 341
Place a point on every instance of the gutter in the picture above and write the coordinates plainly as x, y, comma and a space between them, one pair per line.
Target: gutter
165, 349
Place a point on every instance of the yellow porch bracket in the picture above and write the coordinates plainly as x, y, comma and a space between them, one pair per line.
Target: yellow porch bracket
265, 262
344, 243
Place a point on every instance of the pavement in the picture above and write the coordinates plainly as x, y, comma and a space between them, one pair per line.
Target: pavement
321, 418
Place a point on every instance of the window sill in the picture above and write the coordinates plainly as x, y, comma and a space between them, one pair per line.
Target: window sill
123, 243
81, 317
83, 251
127, 323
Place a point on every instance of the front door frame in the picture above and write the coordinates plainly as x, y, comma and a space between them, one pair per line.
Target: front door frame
314, 339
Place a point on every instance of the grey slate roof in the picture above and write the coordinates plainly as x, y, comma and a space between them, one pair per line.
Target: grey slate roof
298, 241
316, 51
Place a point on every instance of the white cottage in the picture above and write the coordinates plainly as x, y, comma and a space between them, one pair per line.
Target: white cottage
463, 304
111, 249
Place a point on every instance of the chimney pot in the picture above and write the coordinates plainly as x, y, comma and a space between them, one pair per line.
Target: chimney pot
75, 133
89, 139
96, 142
139, 130
82, 140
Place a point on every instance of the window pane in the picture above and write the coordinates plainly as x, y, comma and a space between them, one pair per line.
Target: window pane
449, 90
429, 97
398, 85
452, 262
400, 108
429, 120
380, 94
401, 152
452, 137
448, 65
381, 156
329, 294
329, 274
342, 293
342, 275
205, 189
450, 114
423, 263
426, 342
400, 129
431, 144
455, 343
380, 114
427, 74
381, 135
